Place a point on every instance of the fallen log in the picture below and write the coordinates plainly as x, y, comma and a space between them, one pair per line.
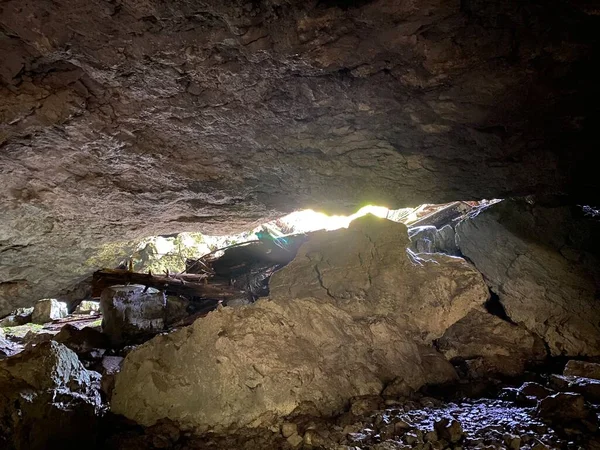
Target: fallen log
189, 285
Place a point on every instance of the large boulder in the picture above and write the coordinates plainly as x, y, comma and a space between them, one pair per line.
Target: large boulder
244, 366
349, 316
367, 271
489, 345
541, 263
132, 313
47, 399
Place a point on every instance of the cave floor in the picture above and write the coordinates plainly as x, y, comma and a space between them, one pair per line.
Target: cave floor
425, 423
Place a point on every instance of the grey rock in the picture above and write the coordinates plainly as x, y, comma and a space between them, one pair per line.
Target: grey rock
131, 313
214, 120
87, 307
47, 310
349, 297
520, 249
422, 239
445, 241
47, 399
20, 316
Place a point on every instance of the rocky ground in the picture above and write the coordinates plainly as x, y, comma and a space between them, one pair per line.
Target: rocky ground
362, 344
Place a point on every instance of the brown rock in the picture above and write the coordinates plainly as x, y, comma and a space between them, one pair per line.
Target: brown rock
563, 406
582, 369
252, 364
491, 345
449, 430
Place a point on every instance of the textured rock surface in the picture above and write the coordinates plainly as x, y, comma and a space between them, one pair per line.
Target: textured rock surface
87, 307
132, 312
489, 345
367, 271
47, 310
542, 262
582, 369
355, 318
127, 119
47, 399
244, 366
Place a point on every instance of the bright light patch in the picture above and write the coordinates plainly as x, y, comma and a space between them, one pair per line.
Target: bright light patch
309, 220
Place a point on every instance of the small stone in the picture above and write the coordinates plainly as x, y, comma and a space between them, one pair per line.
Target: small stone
430, 436
87, 307
288, 429
294, 440
47, 310
411, 438
449, 430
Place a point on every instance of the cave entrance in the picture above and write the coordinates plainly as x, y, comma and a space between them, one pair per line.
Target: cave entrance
236, 269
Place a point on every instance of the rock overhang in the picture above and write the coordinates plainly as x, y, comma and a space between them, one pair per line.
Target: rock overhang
122, 121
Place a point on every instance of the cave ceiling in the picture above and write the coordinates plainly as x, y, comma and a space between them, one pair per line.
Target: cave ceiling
127, 118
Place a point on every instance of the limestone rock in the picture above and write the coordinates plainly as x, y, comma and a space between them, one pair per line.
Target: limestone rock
47, 310
176, 309
491, 345
365, 271
582, 369
155, 117
131, 313
20, 316
351, 314
563, 406
422, 239
541, 263
87, 307
445, 241
81, 341
47, 399
242, 366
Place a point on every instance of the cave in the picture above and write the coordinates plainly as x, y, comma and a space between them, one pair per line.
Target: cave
463, 311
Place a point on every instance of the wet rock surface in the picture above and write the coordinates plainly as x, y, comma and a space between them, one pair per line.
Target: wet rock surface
125, 120
542, 262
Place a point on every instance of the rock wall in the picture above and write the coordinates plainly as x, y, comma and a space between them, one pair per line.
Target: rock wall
542, 262
356, 316
120, 120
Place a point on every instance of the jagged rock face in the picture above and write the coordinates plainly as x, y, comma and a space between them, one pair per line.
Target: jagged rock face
543, 264
365, 271
487, 345
360, 324
127, 119
47, 399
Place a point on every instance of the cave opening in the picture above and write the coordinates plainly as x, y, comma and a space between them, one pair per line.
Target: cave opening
149, 298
